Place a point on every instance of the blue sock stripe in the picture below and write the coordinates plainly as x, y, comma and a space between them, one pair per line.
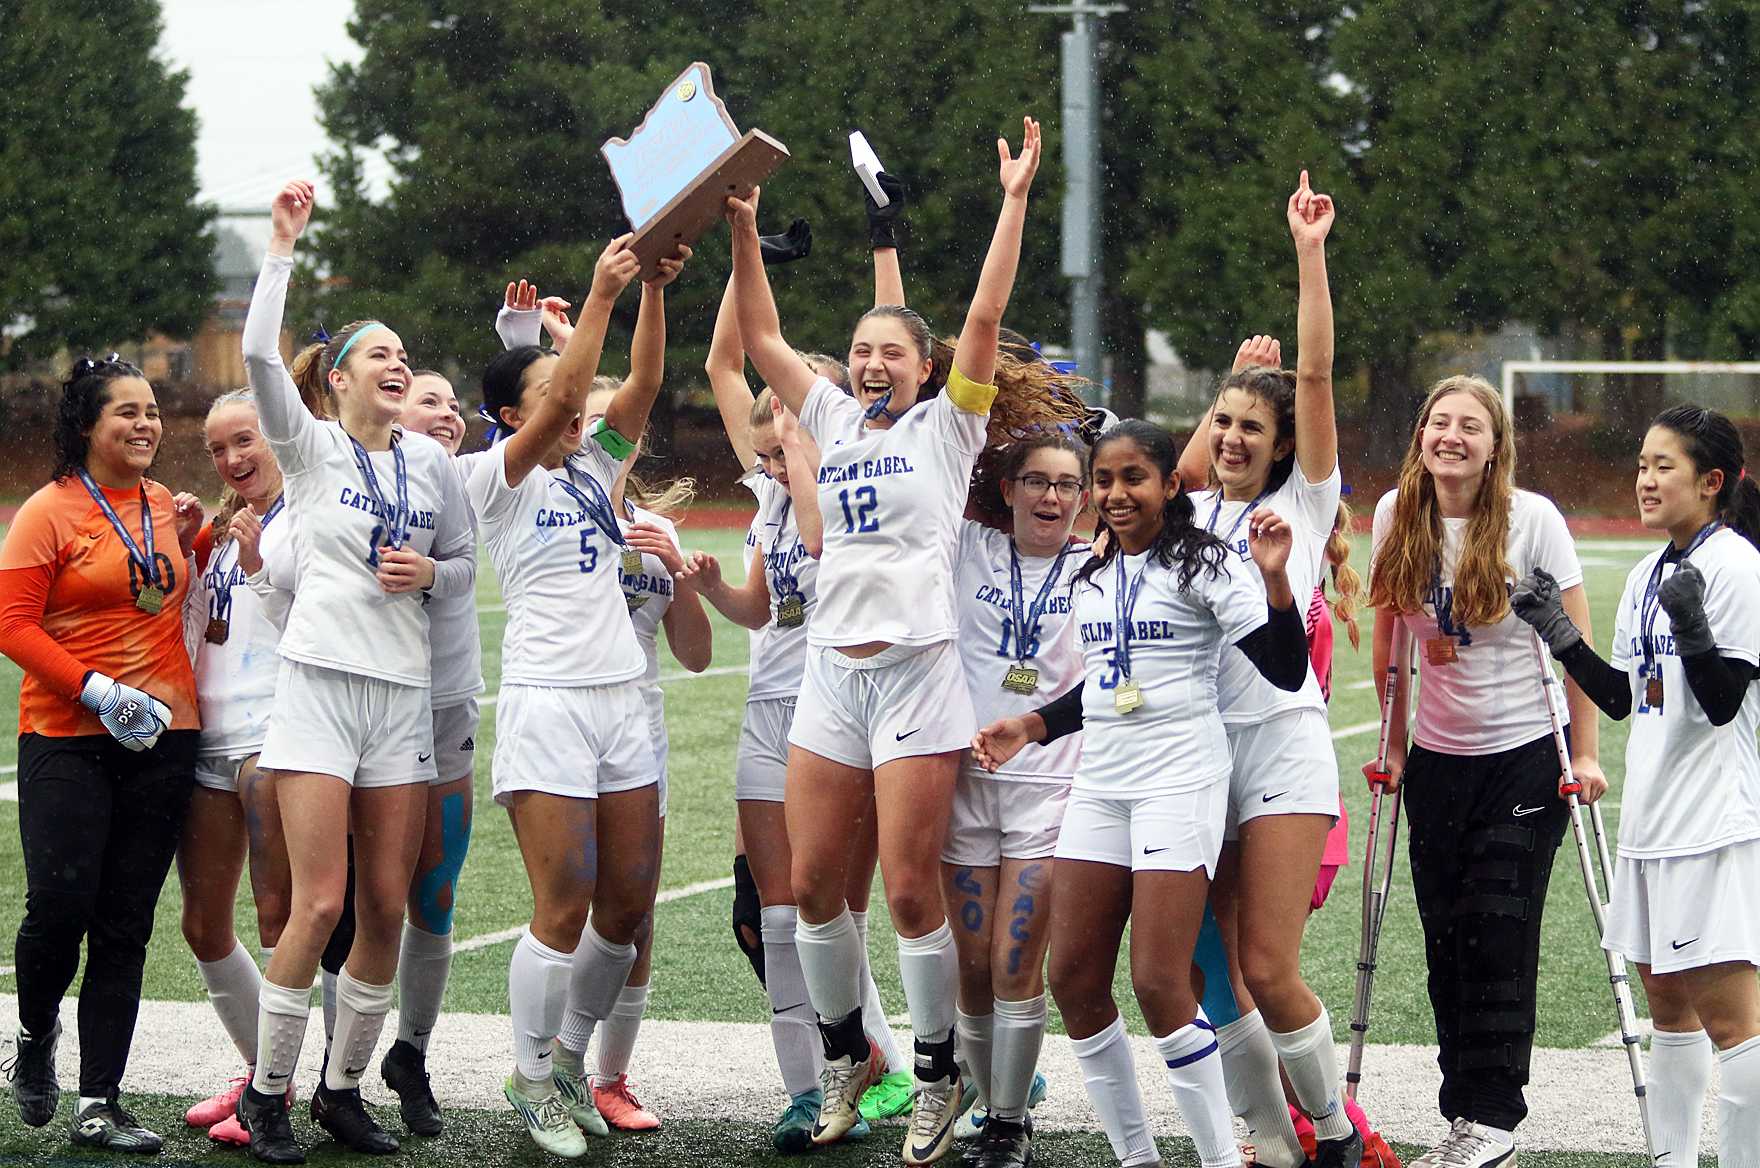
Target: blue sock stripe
1188, 1059
1203, 1023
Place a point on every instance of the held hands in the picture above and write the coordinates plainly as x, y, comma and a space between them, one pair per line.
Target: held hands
1310, 216
402, 570
651, 540
1017, 173
616, 267
1258, 350
1270, 539
1537, 602
670, 267
187, 510
246, 530
291, 210
995, 744
1682, 597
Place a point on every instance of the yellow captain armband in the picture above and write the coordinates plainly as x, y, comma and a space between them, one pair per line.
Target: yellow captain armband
967, 394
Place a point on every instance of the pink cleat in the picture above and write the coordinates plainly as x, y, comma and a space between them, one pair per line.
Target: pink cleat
229, 1131
211, 1111
620, 1107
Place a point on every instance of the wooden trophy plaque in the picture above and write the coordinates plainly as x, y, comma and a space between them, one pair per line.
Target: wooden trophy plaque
675, 171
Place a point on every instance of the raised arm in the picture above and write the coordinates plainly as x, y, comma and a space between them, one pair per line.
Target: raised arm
634, 401
975, 357
574, 371
883, 233
1194, 460
760, 330
285, 419
1310, 218
726, 368
801, 455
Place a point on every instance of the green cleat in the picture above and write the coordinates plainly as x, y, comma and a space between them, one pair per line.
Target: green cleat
793, 1131
889, 1096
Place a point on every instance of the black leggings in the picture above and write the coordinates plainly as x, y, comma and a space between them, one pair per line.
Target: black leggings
1484, 829
99, 826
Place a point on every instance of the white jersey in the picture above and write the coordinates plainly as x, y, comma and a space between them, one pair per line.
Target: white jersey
341, 618
1310, 509
454, 634
648, 594
567, 621
779, 654
235, 679
1488, 699
1691, 787
891, 501
1175, 741
991, 643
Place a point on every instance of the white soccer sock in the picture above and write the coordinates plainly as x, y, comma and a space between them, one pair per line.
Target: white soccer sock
1308, 1057
1738, 1106
1678, 1076
1014, 1055
360, 1018
1195, 1073
600, 968
1255, 1093
537, 992
281, 1031
929, 968
424, 960
831, 962
793, 1029
327, 981
232, 985
874, 1023
1111, 1079
974, 1037
617, 1038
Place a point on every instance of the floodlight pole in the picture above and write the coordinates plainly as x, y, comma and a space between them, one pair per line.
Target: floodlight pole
1081, 166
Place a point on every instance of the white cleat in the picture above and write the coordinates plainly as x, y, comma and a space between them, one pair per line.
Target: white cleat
933, 1113
1469, 1145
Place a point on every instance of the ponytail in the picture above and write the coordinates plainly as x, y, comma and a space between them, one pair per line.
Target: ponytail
1712, 442
1742, 512
1344, 577
308, 377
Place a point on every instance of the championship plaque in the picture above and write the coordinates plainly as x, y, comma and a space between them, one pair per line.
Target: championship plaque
676, 169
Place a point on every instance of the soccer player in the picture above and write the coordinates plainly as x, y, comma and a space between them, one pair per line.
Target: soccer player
1686, 649
1481, 778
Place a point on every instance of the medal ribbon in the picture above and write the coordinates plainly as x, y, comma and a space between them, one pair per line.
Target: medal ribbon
219, 586
1652, 601
144, 559
1126, 601
597, 508
1026, 621
1216, 512
396, 521
783, 582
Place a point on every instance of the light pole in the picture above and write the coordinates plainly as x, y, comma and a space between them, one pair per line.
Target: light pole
1081, 167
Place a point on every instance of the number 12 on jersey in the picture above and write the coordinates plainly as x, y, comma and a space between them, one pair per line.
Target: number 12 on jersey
862, 517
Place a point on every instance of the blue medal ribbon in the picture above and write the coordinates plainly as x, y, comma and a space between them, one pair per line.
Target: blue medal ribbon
597, 508
142, 558
1026, 620
220, 584
1652, 601
1125, 598
783, 582
396, 521
1216, 512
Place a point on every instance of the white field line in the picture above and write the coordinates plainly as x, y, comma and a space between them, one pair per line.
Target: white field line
485, 940
1354, 730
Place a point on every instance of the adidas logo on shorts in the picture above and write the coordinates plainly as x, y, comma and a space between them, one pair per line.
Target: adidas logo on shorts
469, 743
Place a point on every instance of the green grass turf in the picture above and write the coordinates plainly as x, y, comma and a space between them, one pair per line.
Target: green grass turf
697, 964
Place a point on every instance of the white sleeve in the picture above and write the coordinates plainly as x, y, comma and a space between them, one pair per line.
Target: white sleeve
490, 496
455, 540
195, 608
1732, 602
1553, 548
287, 424
1318, 502
518, 326
829, 413
1234, 599
961, 429
273, 582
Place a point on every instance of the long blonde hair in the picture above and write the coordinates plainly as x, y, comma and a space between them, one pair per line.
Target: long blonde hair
1410, 558
668, 498
1345, 579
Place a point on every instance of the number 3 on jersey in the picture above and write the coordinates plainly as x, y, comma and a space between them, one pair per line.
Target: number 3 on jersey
862, 518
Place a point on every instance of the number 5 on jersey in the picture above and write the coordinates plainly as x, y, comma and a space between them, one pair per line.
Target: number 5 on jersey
862, 518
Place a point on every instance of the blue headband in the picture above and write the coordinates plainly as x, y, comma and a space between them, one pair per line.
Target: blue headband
349, 344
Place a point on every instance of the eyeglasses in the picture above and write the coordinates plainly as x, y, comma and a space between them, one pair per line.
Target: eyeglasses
1038, 484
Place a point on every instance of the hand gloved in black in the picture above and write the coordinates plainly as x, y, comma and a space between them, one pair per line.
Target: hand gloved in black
794, 244
1538, 602
886, 225
1682, 597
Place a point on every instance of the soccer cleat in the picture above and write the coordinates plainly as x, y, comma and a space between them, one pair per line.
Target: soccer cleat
229, 1131
264, 1119
548, 1121
934, 1109
215, 1108
405, 1071
1006, 1143
31, 1071
1346, 1152
578, 1094
841, 1083
1467, 1145
617, 1102
972, 1114
345, 1117
792, 1133
889, 1096
107, 1125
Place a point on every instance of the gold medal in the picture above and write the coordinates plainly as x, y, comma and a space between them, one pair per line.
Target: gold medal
150, 600
217, 631
1653, 693
632, 562
1442, 650
1127, 697
1021, 679
792, 612
634, 602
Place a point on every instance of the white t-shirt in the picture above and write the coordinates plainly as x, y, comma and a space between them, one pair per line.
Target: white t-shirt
779, 655
567, 621
892, 502
1488, 699
235, 680
1691, 787
989, 646
648, 594
1175, 741
341, 618
1310, 510
454, 634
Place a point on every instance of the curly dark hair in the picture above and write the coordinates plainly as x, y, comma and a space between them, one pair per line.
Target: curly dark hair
1180, 543
84, 395
997, 464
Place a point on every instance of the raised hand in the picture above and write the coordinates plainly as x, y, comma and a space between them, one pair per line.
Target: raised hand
555, 321
522, 297
246, 530
1017, 173
742, 213
884, 222
1310, 215
670, 267
794, 244
291, 210
189, 516
616, 267
1258, 350
1537, 602
1682, 597
1270, 539
652, 540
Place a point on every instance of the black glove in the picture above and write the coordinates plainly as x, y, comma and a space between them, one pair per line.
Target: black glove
1538, 603
886, 225
1682, 597
794, 244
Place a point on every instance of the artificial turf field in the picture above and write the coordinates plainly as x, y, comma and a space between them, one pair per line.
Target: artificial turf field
700, 976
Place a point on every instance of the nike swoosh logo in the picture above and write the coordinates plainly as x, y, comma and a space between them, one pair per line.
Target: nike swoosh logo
1154, 851
786, 1009
424, 1033
355, 1072
424, 758
1269, 798
1521, 811
1684, 944
906, 734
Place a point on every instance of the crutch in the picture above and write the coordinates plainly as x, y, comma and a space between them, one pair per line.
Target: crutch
1378, 855
1600, 862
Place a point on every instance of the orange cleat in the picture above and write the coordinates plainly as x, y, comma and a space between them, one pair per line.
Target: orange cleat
617, 1102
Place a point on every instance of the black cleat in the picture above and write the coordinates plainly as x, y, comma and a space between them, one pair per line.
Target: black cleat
1002, 1143
345, 1117
405, 1071
264, 1117
31, 1071
1346, 1152
106, 1125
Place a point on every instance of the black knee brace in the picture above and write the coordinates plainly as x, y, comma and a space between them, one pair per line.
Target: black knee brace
1497, 945
748, 916
342, 936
